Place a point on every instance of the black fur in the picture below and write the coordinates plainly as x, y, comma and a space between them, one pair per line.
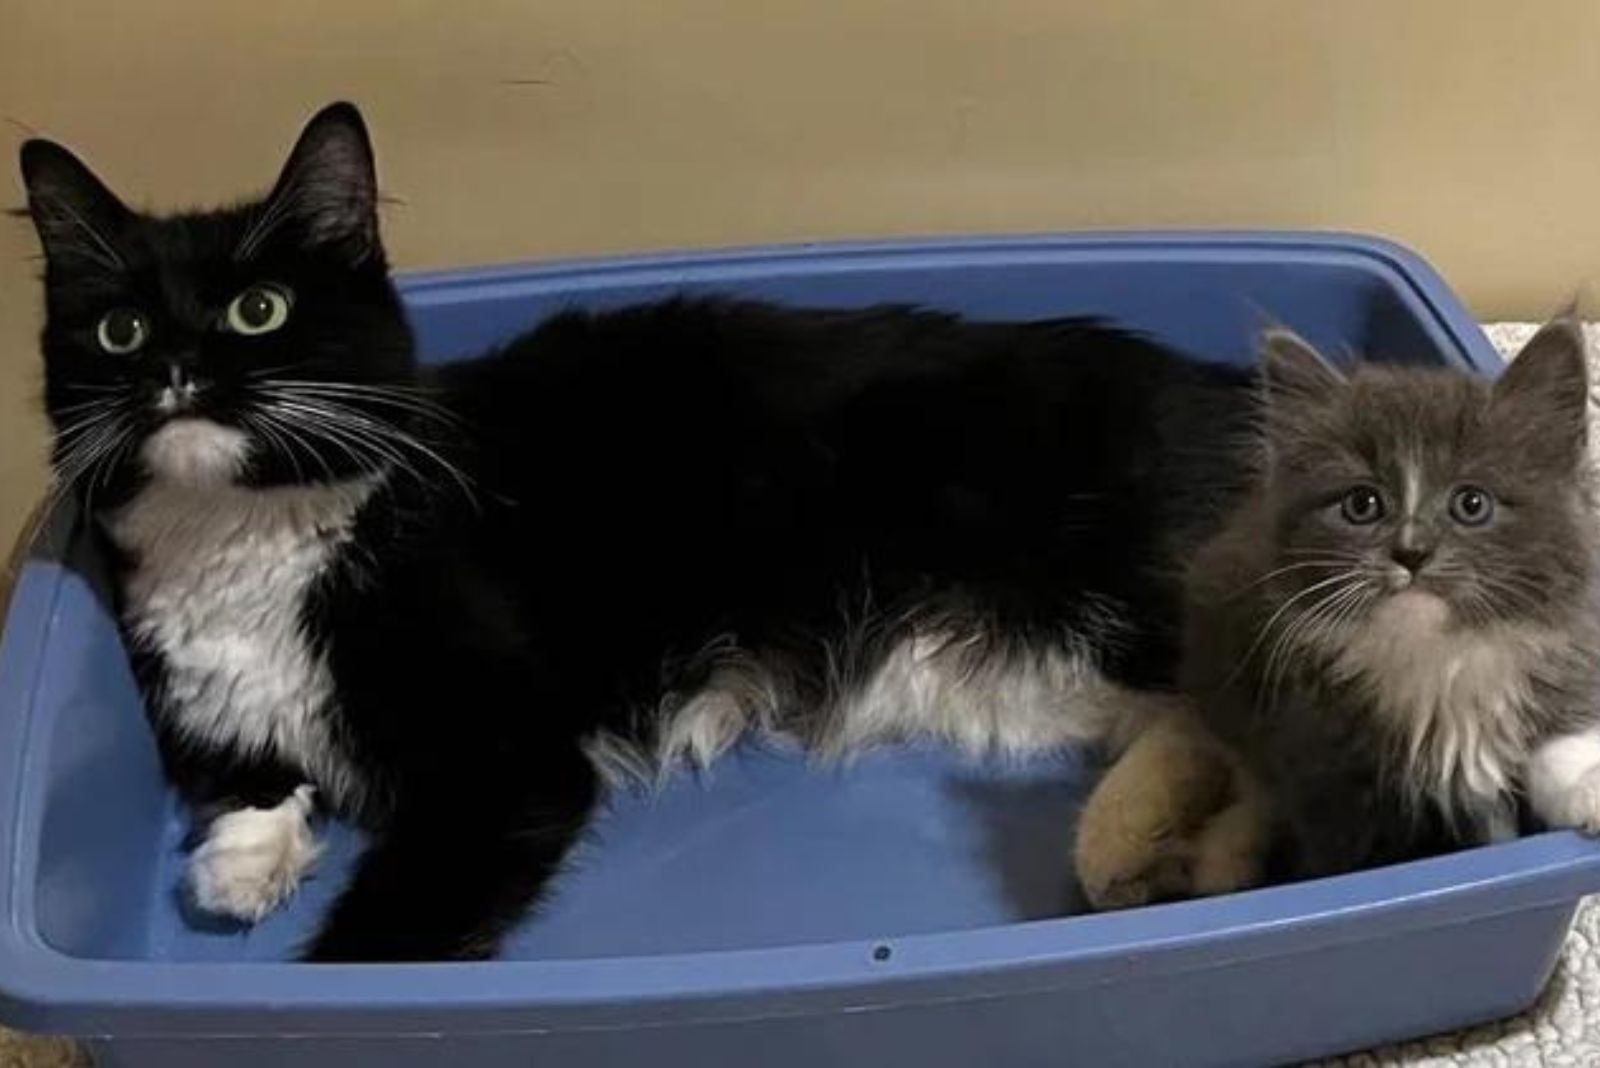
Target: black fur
644, 491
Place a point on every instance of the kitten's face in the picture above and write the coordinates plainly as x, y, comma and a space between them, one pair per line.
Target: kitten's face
1433, 496
246, 345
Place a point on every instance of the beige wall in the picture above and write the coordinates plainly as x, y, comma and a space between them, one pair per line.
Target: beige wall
522, 128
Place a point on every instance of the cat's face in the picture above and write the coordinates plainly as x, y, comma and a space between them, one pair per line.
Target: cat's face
1433, 497
258, 345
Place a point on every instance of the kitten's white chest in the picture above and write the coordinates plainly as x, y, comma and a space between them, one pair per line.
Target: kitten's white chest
217, 587
1453, 698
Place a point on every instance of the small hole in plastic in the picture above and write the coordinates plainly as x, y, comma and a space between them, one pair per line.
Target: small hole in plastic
881, 953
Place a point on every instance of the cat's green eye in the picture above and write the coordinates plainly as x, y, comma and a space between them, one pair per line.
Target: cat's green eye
122, 331
1361, 506
261, 309
1471, 506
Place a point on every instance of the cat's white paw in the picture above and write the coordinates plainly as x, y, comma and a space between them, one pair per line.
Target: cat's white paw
1579, 805
254, 858
1564, 782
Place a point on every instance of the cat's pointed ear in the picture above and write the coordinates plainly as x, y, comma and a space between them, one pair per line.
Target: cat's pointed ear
1547, 385
76, 216
1292, 370
329, 186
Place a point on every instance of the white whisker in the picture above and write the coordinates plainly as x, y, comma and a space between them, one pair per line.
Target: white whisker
375, 434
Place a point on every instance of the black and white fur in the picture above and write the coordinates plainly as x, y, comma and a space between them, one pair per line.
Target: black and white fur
443, 603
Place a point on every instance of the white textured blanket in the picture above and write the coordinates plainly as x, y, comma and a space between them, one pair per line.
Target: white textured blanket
1562, 1030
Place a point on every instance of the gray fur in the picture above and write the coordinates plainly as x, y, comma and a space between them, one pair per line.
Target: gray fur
1396, 710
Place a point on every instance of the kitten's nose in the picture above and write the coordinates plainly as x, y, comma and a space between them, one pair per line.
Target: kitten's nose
1411, 557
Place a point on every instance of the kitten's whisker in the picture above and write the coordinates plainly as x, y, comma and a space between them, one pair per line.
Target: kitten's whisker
1528, 585
1345, 555
1290, 637
1266, 627
1527, 599
1276, 572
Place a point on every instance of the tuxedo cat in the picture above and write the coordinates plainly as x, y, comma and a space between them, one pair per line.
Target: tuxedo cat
451, 604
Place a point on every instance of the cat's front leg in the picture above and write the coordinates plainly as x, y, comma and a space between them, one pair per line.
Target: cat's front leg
252, 842
457, 868
1564, 781
252, 859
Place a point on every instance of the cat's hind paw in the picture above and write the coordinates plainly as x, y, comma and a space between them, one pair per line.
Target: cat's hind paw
253, 859
1168, 820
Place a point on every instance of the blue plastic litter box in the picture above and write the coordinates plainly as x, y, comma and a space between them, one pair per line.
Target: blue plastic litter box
913, 908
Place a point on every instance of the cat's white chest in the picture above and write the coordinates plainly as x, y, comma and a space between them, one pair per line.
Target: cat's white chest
1454, 700
217, 586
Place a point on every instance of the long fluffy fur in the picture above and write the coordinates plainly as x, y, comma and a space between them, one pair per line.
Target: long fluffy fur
441, 598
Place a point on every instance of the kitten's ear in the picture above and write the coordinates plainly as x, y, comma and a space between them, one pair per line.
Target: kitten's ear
76, 215
1292, 370
329, 186
1548, 383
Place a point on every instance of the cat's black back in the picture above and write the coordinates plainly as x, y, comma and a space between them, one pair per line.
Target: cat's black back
718, 466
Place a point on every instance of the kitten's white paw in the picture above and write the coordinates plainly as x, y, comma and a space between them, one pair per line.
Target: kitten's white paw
1579, 806
1564, 782
254, 858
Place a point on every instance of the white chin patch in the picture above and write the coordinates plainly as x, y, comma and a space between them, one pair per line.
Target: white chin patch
196, 451
1411, 613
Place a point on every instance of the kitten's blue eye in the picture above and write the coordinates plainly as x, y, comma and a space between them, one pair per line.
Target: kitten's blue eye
1361, 506
121, 331
261, 309
1471, 506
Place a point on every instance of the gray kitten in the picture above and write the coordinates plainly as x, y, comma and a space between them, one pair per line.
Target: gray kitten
1399, 627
